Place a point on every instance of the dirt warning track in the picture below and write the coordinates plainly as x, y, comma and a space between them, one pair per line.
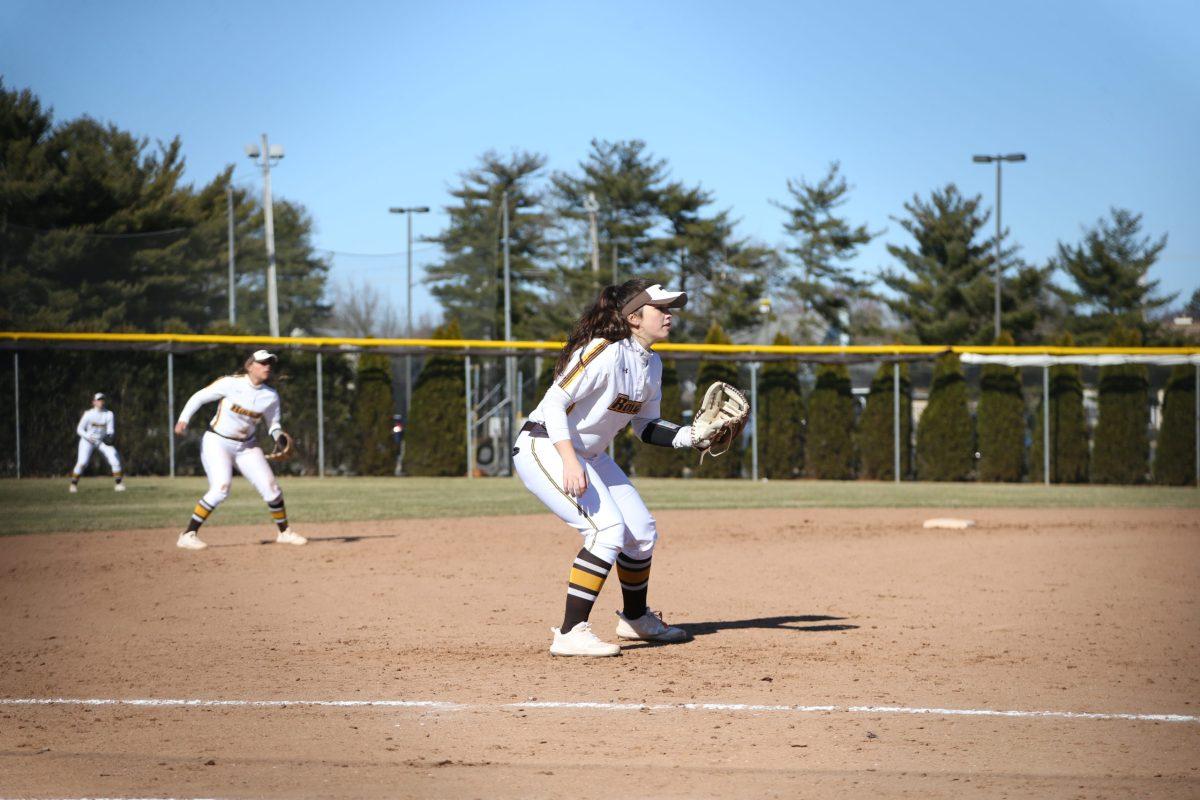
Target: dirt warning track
834, 653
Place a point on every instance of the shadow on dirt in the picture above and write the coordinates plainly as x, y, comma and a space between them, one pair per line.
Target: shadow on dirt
788, 623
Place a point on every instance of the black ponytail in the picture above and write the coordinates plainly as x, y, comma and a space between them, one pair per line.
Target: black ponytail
603, 320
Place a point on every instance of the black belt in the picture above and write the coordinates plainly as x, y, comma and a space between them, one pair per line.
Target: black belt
535, 429
230, 438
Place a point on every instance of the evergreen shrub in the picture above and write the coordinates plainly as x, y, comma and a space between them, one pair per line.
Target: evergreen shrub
945, 435
830, 436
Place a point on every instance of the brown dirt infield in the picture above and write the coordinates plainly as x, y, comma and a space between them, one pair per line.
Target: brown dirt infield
1049, 610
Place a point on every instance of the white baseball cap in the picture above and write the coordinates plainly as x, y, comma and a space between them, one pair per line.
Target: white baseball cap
264, 357
99, 396
655, 296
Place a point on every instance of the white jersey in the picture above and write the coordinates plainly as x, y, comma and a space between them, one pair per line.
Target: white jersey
95, 424
242, 405
605, 386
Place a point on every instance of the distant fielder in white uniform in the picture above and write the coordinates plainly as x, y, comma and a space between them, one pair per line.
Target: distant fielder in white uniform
607, 377
245, 399
97, 429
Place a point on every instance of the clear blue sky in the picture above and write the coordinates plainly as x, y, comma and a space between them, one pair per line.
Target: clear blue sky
382, 104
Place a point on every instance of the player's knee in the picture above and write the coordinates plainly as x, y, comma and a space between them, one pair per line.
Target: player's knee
641, 540
271, 492
216, 494
606, 542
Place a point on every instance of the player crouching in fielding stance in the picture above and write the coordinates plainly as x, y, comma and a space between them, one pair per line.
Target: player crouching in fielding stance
96, 430
244, 399
606, 377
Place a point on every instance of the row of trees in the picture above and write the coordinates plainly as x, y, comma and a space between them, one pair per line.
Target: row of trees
823, 433
940, 289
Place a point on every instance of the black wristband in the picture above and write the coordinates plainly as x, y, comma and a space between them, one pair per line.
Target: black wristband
660, 432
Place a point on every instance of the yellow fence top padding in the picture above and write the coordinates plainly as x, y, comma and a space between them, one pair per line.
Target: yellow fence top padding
468, 345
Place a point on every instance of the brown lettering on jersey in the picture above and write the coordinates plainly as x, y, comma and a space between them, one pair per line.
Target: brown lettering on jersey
623, 405
245, 412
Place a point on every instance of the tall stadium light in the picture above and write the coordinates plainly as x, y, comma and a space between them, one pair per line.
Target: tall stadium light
408, 328
265, 157
998, 159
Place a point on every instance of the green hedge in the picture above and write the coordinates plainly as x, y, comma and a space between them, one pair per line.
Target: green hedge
780, 419
1122, 445
1175, 456
876, 427
1000, 419
945, 435
373, 409
830, 435
1069, 454
435, 442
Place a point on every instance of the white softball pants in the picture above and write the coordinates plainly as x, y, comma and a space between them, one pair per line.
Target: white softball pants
610, 515
219, 456
86, 448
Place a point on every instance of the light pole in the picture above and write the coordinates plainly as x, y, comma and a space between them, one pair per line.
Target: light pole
264, 157
591, 205
232, 275
999, 159
408, 328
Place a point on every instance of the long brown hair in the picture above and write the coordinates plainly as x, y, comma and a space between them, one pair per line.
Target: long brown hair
603, 320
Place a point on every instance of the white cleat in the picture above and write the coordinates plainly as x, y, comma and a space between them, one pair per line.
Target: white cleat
581, 642
120, 487
74, 489
287, 537
188, 540
649, 627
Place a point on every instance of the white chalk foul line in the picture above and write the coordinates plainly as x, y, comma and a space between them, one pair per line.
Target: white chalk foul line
441, 705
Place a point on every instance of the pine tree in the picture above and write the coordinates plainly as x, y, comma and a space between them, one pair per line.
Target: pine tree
829, 445
876, 428
1068, 427
1175, 456
469, 281
823, 244
664, 462
947, 295
1120, 452
1110, 270
728, 465
437, 432
373, 408
945, 435
780, 419
1001, 421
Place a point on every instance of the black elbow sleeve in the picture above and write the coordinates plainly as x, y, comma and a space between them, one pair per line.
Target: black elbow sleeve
660, 432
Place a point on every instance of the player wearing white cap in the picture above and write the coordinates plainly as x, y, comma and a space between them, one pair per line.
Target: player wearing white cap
607, 377
245, 399
97, 429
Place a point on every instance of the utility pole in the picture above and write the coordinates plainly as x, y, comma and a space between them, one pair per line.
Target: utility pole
592, 206
232, 277
268, 152
509, 365
408, 326
999, 159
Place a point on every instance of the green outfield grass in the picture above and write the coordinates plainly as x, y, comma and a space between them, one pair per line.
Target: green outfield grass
40, 505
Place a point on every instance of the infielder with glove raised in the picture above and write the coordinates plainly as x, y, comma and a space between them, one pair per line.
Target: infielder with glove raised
97, 430
607, 377
244, 399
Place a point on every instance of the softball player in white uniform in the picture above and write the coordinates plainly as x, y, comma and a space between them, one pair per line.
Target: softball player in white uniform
96, 430
245, 399
607, 377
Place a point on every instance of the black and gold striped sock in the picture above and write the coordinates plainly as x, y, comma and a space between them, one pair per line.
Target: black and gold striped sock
587, 578
635, 581
278, 513
117, 476
199, 515
74, 478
